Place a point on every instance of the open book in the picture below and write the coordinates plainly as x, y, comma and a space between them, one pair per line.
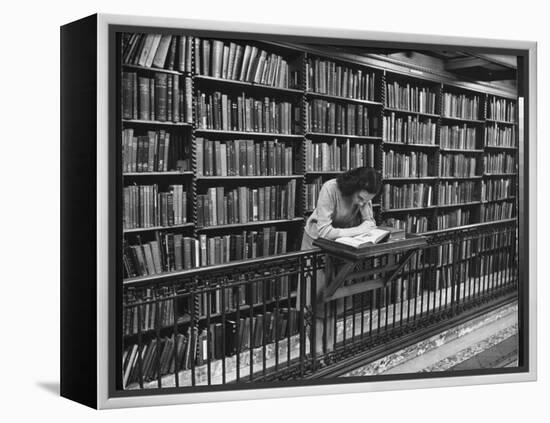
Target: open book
375, 236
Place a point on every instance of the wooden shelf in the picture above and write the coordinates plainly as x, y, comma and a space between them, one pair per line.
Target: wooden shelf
494, 222
499, 147
456, 205
324, 172
357, 137
498, 174
244, 84
157, 123
254, 223
151, 69
410, 112
158, 228
247, 134
173, 173
504, 122
409, 178
499, 200
418, 145
458, 150
374, 206
470, 226
408, 209
345, 99
449, 178
262, 177
457, 119
204, 270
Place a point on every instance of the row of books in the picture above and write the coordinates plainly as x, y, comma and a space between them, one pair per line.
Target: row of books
172, 52
222, 206
410, 223
456, 192
169, 252
198, 345
411, 98
445, 253
336, 118
405, 165
242, 113
501, 109
161, 308
458, 217
312, 193
460, 106
439, 254
462, 137
335, 156
497, 211
148, 309
160, 98
242, 297
243, 62
407, 196
496, 189
409, 131
327, 77
243, 158
499, 136
457, 165
496, 240
499, 163
154, 151
144, 206
244, 245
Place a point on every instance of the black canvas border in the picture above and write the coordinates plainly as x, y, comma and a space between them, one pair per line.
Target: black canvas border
78, 211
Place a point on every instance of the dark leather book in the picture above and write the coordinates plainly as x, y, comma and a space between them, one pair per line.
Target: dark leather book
219, 341
127, 95
205, 70
258, 330
187, 253
268, 327
245, 336
231, 337
161, 87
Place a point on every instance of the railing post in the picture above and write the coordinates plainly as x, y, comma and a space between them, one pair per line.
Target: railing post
313, 301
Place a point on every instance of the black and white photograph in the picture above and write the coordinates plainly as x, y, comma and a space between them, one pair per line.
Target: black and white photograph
305, 211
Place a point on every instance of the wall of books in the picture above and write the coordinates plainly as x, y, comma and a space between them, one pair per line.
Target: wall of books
225, 145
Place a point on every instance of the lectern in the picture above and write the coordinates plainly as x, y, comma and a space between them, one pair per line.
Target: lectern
349, 270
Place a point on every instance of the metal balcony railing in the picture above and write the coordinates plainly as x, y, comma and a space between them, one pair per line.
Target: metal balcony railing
257, 320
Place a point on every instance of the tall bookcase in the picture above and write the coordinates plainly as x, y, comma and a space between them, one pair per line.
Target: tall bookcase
447, 152
427, 136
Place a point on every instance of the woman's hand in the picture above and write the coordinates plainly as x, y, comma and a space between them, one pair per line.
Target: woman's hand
365, 227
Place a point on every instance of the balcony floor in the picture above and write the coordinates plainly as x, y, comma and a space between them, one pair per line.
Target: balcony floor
488, 341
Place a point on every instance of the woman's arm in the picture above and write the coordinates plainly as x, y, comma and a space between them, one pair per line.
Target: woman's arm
367, 214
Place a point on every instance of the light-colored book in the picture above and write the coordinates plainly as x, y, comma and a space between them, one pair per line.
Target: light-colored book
375, 236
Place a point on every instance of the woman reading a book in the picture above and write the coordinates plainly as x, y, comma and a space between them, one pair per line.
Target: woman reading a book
344, 209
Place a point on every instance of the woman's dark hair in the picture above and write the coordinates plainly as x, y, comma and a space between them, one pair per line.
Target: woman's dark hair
360, 178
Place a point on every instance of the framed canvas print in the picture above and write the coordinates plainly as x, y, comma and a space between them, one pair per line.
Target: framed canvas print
254, 211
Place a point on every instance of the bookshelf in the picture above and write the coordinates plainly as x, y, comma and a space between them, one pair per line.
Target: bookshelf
414, 129
228, 134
